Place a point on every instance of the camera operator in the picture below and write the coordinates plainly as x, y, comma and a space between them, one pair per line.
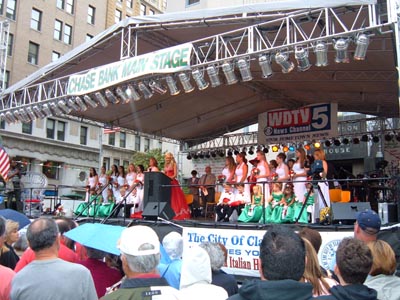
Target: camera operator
319, 157
13, 185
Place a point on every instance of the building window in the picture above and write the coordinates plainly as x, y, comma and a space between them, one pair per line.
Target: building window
118, 15
84, 132
27, 128
55, 55
60, 4
116, 162
51, 169
129, 3
111, 139
50, 128
88, 37
125, 163
33, 53
146, 145
61, 131
137, 143
68, 34
10, 44
36, 19
11, 7
122, 139
106, 163
142, 9
70, 6
91, 14
7, 79
190, 2
151, 12
58, 30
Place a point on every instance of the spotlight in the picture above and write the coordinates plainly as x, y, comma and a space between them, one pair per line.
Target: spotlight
46, 110
24, 116
213, 154
292, 148
388, 137
145, 90
31, 114
317, 145
38, 112
236, 152
244, 69
201, 155
356, 141
229, 152
336, 142
301, 55
221, 153
251, 150
199, 79
244, 150
156, 87
375, 139
89, 101
189, 156
132, 93
327, 143
307, 147
171, 83
111, 97
341, 46
195, 156
10, 117
275, 148
17, 116
207, 155
71, 103
212, 72
100, 98
265, 150
265, 64
63, 106
345, 141
362, 43
321, 54
122, 95
229, 72
185, 81
285, 148
364, 138
283, 60
81, 104
55, 109
398, 137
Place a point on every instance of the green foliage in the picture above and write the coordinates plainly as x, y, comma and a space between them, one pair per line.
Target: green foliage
142, 158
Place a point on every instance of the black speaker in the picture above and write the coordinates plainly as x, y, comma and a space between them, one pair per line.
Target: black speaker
152, 210
347, 211
155, 189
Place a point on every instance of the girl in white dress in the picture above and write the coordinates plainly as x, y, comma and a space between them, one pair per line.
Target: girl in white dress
130, 178
319, 154
282, 170
139, 188
264, 173
92, 182
103, 182
300, 174
241, 171
113, 179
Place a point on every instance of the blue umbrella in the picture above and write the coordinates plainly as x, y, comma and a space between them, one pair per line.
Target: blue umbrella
16, 216
103, 237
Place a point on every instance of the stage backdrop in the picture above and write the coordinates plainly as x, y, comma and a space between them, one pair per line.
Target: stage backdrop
308, 123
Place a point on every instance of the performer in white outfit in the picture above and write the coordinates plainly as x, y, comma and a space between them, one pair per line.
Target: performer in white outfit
263, 174
282, 170
91, 183
300, 174
319, 154
130, 178
103, 182
242, 170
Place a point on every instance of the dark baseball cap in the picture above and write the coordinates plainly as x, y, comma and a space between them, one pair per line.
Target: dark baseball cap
369, 221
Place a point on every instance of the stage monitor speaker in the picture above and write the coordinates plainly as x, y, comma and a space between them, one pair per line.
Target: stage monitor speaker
152, 210
155, 189
346, 212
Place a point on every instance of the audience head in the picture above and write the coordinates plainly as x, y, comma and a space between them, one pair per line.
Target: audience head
383, 258
282, 254
2, 230
173, 245
140, 249
196, 267
313, 236
42, 234
64, 225
353, 261
367, 225
12, 233
94, 253
217, 257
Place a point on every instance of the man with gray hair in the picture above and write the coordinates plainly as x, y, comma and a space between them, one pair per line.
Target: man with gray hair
140, 255
49, 277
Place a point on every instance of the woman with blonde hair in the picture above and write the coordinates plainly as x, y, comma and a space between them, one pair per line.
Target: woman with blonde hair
313, 274
319, 155
178, 200
381, 277
8, 256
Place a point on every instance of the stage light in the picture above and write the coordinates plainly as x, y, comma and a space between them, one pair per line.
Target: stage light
251, 150
345, 141
275, 148
244, 69
221, 153
213, 154
195, 156
207, 155
89, 101
364, 138
336, 142
307, 147
156, 87
212, 72
111, 97
145, 90
71, 103
201, 155
31, 114
265, 64
55, 109
282, 59
362, 43
229, 153
63, 106
375, 139
171, 83
81, 104
236, 151
341, 46
122, 95
132, 93
199, 79
185, 81
388, 137
244, 150
292, 148
321, 54
327, 143
356, 141
189, 156
285, 148
101, 99
317, 145
229, 72
266, 149
46, 110
24, 116
301, 55
17, 116
398, 137
9, 117
38, 112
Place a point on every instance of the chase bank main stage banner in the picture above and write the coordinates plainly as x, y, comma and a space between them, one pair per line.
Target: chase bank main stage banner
312, 122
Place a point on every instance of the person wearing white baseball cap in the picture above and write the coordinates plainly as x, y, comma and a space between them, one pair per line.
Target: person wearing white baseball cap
140, 255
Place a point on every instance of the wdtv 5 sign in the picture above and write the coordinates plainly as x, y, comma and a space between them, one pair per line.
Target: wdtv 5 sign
305, 123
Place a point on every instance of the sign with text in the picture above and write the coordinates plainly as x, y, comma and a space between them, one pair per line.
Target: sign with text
167, 60
313, 122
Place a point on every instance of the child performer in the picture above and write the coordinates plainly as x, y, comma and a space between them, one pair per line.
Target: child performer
252, 212
289, 199
222, 207
303, 218
273, 203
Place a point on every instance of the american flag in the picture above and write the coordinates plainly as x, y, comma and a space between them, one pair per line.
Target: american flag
4, 163
111, 129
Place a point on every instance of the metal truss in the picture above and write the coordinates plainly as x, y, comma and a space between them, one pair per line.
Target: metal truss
4, 36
